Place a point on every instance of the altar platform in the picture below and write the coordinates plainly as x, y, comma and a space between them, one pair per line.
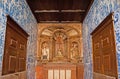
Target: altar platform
60, 70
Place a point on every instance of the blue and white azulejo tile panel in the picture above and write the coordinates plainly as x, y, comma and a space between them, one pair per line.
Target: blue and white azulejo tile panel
21, 13
99, 10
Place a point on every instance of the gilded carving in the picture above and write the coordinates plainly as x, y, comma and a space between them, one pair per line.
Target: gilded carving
59, 42
74, 50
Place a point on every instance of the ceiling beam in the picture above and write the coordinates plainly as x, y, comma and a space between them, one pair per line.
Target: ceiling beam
45, 11
50, 11
59, 22
49, 21
72, 10
70, 21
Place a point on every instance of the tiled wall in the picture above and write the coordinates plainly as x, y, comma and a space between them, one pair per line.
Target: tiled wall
117, 31
21, 13
99, 10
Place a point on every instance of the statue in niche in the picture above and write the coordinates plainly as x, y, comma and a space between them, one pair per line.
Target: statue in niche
59, 53
59, 42
74, 50
45, 51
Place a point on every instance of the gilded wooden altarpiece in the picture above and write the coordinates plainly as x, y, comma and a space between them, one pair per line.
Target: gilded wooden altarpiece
59, 42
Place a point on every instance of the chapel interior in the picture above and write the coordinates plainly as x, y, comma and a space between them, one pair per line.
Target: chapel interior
60, 50
59, 39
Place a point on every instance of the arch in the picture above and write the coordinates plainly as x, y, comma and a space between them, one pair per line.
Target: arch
56, 28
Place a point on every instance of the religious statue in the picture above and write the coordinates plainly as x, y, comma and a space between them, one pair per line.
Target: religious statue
74, 50
45, 51
59, 53
59, 42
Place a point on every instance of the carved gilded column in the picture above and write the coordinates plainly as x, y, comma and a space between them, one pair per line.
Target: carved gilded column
81, 47
51, 48
68, 48
38, 48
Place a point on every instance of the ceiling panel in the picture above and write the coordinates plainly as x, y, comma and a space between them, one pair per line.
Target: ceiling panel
59, 10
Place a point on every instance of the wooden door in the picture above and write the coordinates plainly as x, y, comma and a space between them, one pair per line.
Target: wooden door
10, 55
104, 53
14, 59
